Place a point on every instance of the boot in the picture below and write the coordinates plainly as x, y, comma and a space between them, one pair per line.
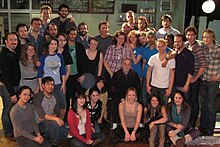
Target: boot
180, 142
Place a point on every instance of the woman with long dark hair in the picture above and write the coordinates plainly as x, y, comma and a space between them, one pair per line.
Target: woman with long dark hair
178, 129
80, 128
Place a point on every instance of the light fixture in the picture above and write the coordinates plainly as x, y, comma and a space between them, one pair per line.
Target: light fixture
208, 6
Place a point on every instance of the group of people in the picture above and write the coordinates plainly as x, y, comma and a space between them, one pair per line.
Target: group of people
65, 84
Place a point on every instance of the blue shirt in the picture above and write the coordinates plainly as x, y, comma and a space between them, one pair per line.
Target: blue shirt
137, 67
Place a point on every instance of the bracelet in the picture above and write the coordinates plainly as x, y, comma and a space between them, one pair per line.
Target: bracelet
166, 59
134, 130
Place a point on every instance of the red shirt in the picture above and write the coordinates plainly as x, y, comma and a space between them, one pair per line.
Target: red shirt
73, 122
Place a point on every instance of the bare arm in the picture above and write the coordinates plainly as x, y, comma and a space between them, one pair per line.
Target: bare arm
148, 79
200, 72
121, 115
188, 81
100, 65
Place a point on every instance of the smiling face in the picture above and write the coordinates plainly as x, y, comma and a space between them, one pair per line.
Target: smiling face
30, 51
64, 12
191, 36
80, 101
208, 38
104, 29
11, 41
23, 32
100, 84
52, 46
178, 42
154, 102
131, 96
120, 40
93, 44
25, 96
62, 41
45, 14
161, 47
94, 96
178, 99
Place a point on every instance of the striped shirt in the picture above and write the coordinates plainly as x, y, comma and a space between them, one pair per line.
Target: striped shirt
213, 62
199, 56
114, 57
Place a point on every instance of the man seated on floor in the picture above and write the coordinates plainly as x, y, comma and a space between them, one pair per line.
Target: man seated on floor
47, 106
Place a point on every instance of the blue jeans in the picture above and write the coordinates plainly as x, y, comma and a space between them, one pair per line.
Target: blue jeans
51, 131
61, 95
6, 121
208, 99
193, 101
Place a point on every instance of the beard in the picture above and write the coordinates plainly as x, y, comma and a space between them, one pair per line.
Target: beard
83, 33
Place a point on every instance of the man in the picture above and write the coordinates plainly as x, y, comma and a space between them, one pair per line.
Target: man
34, 34
51, 32
148, 51
130, 17
121, 81
104, 38
210, 83
9, 79
22, 32
199, 67
167, 28
160, 79
45, 13
63, 23
47, 106
126, 28
184, 65
77, 52
83, 37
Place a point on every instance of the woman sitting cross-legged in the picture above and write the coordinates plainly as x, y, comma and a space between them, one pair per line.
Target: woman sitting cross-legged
80, 128
155, 116
130, 112
178, 128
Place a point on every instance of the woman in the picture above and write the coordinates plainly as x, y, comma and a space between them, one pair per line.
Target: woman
178, 129
100, 84
62, 38
142, 24
136, 52
28, 67
116, 53
94, 58
22, 115
94, 105
155, 116
130, 112
80, 129
52, 64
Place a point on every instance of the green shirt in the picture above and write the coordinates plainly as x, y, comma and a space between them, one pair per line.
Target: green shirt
72, 50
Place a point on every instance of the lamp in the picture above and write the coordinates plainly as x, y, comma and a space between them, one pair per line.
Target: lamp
208, 6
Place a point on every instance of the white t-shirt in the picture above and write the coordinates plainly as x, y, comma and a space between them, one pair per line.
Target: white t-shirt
160, 77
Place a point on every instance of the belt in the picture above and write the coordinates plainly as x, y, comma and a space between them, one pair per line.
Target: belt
29, 78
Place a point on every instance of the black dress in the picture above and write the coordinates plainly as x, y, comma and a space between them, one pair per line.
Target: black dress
92, 65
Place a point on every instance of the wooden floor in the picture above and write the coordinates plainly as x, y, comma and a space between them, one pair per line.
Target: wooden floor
200, 142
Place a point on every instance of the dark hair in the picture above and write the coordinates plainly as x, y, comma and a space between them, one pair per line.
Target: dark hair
12, 33
144, 19
191, 29
63, 6
72, 29
91, 90
78, 94
156, 98
97, 80
118, 33
82, 24
170, 36
93, 38
104, 22
35, 19
62, 34
19, 26
47, 79
46, 51
21, 89
182, 36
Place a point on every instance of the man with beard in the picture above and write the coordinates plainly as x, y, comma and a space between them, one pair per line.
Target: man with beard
83, 37
63, 23
22, 32
184, 65
9, 79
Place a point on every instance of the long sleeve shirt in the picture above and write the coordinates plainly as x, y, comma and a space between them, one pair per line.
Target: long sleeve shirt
23, 120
